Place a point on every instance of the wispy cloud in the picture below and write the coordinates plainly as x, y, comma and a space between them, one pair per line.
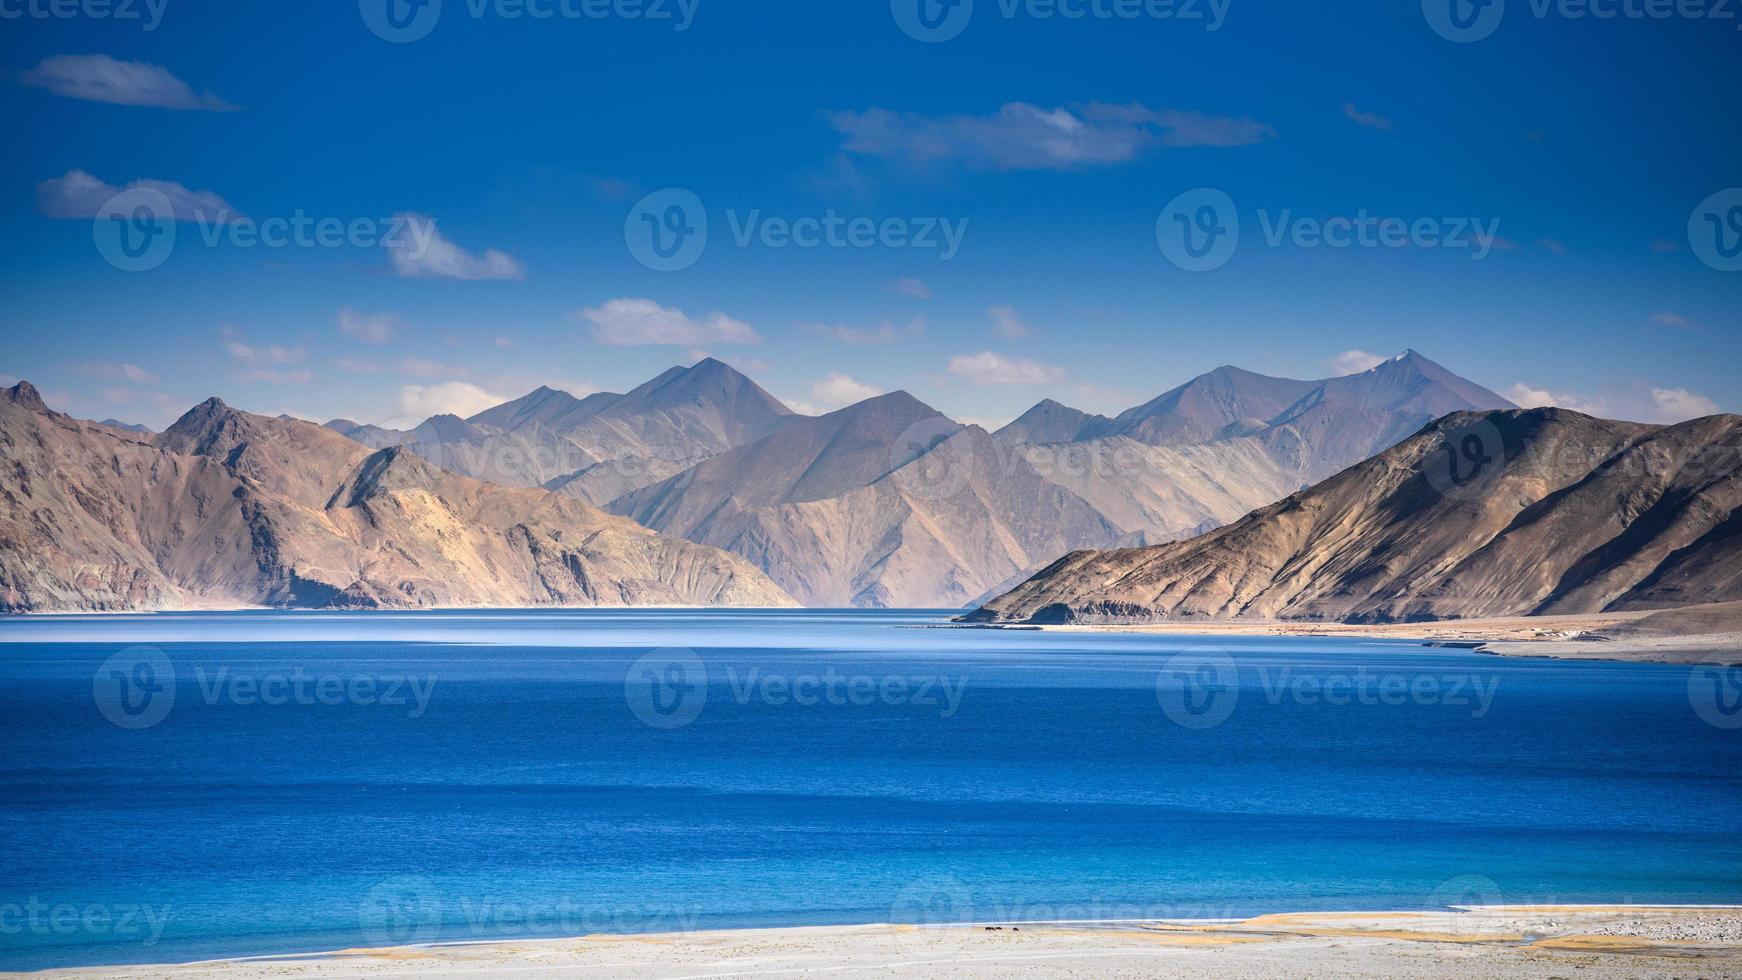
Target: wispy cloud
1645, 404
351, 365
1372, 120
422, 252
908, 286
370, 328
1021, 136
421, 368
1676, 320
100, 78
1553, 245
115, 371
990, 368
80, 196
883, 333
1009, 325
1664, 246
642, 322
266, 354
1355, 362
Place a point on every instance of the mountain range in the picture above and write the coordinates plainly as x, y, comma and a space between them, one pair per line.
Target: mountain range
1535, 512
889, 503
886, 503
225, 508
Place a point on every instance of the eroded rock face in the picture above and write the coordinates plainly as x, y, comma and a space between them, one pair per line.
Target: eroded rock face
1480, 514
228, 508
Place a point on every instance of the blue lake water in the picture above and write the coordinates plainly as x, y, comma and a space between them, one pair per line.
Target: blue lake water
179, 787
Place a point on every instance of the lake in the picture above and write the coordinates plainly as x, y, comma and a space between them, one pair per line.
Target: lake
187, 786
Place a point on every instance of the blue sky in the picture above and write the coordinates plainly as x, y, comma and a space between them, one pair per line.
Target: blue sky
1052, 146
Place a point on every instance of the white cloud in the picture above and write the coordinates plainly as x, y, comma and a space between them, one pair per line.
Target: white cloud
80, 196
354, 366
1354, 362
421, 252
1021, 136
460, 398
908, 286
1010, 326
1680, 404
837, 390
1371, 120
503, 342
989, 368
883, 333
642, 322
100, 78
1676, 320
370, 328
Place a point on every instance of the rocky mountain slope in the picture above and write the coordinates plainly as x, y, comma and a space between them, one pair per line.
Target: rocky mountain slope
885, 503
228, 508
1480, 514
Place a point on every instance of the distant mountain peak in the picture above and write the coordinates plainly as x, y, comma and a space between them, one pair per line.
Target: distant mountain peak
25, 394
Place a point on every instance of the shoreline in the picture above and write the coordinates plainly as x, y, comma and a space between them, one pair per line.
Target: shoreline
1484, 941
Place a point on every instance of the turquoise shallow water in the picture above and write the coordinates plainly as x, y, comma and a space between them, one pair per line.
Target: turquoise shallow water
184, 786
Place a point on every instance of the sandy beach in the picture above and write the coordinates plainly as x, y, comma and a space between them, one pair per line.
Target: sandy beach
1537, 941
1694, 635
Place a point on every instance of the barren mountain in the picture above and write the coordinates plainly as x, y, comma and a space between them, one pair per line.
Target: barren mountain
1480, 514
885, 503
228, 508
1211, 450
598, 447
